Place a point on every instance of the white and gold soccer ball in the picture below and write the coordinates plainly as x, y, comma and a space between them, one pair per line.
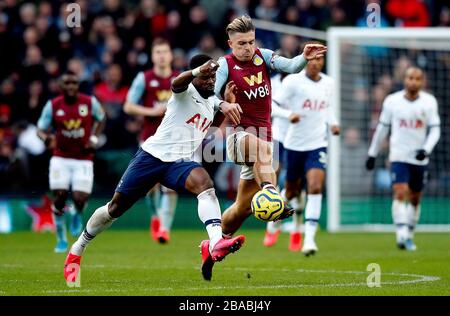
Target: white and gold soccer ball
267, 205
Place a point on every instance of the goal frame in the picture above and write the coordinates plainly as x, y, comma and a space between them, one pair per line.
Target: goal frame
334, 37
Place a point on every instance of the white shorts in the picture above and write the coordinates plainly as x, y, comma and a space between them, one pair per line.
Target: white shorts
66, 173
236, 154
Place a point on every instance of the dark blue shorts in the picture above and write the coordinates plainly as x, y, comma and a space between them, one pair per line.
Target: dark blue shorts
145, 170
300, 162
414, 175
279, 152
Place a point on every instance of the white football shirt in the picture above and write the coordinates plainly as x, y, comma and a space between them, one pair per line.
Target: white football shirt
279, 124
183, 127
409, 121
311, 100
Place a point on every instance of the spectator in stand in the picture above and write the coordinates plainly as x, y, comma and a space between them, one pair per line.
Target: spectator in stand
111, 93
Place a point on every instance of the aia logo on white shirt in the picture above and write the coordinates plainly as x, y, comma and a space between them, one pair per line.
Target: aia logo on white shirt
411, 123
314, 105
199, 122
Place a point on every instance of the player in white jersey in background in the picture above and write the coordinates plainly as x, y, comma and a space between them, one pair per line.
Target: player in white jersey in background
307, 93
281, 118
165, 158
409, 113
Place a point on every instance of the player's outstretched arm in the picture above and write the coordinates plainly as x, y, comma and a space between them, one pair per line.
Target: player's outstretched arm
182, 81
296, 64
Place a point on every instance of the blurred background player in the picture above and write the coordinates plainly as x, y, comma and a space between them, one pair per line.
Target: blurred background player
409, 113
309, 94
281, 117
153, 88
165, 158
70, 124
248, 67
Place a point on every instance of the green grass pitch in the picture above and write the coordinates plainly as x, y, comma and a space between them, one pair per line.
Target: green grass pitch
121, 262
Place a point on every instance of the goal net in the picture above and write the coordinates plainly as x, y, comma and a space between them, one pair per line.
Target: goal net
367, 64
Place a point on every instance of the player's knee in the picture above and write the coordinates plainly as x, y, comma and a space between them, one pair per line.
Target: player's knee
290, 193
400, 194
60, 198
414, 199
79, 203
205, 184
315, 188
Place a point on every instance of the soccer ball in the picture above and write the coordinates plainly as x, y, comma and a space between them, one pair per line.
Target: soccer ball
267, 205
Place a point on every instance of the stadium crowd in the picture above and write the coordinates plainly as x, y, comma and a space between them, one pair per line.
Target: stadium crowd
113, 44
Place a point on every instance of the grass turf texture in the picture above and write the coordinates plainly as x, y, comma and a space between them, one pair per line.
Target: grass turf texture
129, 263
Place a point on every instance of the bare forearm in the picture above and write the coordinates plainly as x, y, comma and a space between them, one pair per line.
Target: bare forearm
182, 82
99, 127
43, 135
137, 110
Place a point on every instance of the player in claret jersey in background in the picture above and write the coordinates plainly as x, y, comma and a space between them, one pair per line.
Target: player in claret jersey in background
409, 113
165, 158
77, 121
309, 94
153, 88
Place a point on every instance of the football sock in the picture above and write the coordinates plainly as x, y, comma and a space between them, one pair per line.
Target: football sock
273, 227
400, 219
152, 200
166, 211
312, 215
210, 214
296, 204
60, 225
413, 219
98, 222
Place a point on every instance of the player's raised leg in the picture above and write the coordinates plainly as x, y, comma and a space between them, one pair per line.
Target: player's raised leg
235, 215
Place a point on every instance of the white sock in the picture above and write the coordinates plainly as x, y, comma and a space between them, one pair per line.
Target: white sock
166, 211
400, 219
413, 219
210, 214
273, 227
98, 222
312, 215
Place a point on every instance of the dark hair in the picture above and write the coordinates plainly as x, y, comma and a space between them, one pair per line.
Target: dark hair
198, 60
69, 73
160, 41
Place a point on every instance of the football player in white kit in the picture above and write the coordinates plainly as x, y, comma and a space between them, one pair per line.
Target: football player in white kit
165, 158
307, 93
409, 113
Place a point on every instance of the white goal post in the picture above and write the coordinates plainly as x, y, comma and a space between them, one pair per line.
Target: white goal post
357, 59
